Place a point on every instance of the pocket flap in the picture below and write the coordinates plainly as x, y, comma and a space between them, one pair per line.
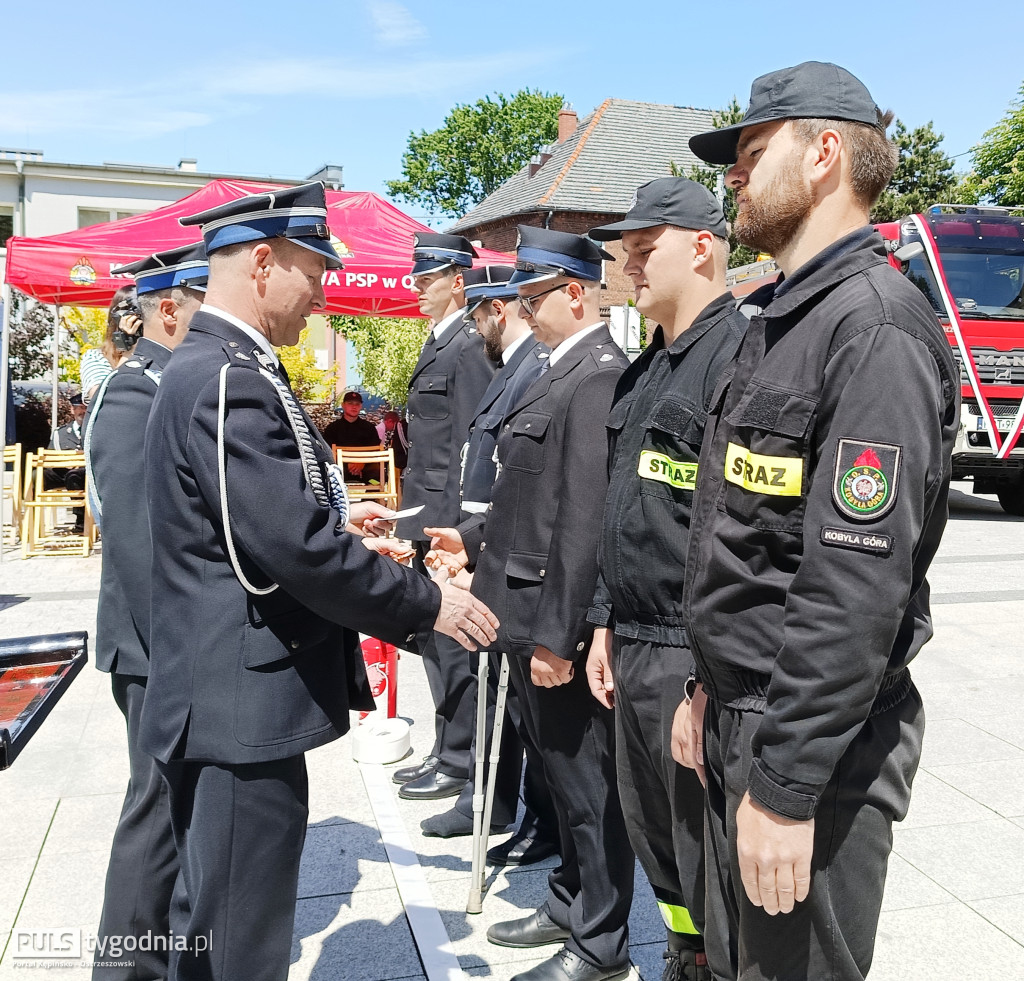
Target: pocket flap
433, 383
774, 411
619, 412
434, 480
526, 565
533, 424
268, 643
677, 420
490, 420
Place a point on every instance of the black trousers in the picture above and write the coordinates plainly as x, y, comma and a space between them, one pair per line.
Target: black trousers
540, 818
143, 864
831, 934
240, 831
452, 681
591, 892
663, 802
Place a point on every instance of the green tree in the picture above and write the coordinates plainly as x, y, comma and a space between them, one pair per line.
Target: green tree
387, 349
31, 351
477, 149
924, 175
309, 383
998, 159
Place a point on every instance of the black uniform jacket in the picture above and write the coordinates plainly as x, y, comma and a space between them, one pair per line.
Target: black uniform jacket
654, 434
67, 437
237, 677
822, 498
480, 468
450, 377
117, 434
538, 566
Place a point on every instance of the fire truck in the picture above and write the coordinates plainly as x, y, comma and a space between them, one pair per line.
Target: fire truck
968, 261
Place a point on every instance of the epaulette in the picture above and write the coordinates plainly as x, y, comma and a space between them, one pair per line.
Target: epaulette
602, 356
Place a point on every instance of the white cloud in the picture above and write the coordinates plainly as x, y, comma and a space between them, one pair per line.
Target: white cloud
394, 25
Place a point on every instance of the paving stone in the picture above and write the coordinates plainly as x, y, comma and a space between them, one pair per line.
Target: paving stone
25, 823
935, 802
998, 784
343, 858
1006, 913
15, 874
909, 888
954, 741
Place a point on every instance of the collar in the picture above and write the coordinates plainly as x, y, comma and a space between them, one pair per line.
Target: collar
506, 355
703, 322
76, 427
156, 352
259, 338
442, 325
570, 342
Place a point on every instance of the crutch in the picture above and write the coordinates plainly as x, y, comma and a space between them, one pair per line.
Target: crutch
476, 892
476, 888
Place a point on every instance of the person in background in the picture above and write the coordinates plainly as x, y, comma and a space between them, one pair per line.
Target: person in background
352, 430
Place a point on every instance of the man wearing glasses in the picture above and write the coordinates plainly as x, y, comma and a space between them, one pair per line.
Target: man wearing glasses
537, 567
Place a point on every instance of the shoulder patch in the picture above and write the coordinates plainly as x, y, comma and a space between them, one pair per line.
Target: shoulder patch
866, 478
858, 541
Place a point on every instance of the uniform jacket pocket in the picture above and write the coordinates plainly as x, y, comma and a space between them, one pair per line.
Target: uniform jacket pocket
526, 451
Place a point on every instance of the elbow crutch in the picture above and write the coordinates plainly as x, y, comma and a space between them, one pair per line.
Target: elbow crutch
476, 888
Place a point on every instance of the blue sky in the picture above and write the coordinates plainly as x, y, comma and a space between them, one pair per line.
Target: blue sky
280, 89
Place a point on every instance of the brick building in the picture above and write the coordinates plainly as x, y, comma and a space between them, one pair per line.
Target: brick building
588, 177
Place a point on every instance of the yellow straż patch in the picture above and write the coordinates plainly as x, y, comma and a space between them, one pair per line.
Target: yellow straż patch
778, 475
657, 466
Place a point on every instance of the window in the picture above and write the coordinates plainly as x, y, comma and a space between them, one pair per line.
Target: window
6, 225
97, 216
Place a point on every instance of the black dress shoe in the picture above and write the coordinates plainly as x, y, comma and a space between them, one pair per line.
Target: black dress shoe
567, 966
433, 785
408, 773
522, 849
534, 930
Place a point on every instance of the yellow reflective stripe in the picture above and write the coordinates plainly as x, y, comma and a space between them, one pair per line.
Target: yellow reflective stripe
677, 918
657, 466
778, 475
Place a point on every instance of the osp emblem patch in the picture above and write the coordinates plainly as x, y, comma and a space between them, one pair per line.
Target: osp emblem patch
866, 478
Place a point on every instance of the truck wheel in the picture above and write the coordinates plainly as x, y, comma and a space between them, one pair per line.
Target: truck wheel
1011, 497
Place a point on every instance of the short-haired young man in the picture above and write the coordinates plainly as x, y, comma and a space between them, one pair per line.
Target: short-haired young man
821, 501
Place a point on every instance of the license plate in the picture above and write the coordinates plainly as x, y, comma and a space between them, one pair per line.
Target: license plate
1003, 425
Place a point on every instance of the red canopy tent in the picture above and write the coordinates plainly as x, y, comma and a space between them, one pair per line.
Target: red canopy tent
372, 236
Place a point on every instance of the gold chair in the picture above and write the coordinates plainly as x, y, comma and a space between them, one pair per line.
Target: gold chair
386, 490
40, 531
13, 491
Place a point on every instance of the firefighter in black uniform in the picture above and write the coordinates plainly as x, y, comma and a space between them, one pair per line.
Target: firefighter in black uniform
143, 863
259, 587
450, 376
492, 303
538, 564
821, 501
676, 242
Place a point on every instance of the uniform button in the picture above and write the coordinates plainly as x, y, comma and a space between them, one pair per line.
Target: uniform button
483, 545
579, 646
410, 638
528, 425
490, 507
232, 344
506, 429
542, 571
294, 645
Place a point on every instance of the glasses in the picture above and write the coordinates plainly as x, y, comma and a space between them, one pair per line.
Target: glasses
527, 301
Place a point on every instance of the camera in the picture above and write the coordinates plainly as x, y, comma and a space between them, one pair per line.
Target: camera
128, 307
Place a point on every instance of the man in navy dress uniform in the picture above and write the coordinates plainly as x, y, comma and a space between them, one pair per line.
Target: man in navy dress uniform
143, 860
451, 375
259, 586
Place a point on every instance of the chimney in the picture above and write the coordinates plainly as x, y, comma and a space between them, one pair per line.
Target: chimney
188, 164
567, 122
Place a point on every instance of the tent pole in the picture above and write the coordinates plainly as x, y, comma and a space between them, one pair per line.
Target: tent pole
56, 366
5, 343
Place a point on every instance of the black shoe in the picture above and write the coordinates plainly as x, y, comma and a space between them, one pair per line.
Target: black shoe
408, 773
433, 785
686, 965
567, 966
522, 849
534, 930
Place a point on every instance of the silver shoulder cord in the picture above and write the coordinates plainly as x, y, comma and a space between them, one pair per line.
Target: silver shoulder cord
333, 494
95, 504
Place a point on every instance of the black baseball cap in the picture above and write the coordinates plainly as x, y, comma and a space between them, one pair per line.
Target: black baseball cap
812, 90
669, 201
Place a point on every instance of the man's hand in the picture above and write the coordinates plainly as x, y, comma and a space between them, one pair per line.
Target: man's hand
688, 733
464, 618
599, 668
446, 550
395, 548
547, 670
369, 518
775, 856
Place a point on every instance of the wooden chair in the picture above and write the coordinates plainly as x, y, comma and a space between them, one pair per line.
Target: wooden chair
13, 491
40, 531
386, 489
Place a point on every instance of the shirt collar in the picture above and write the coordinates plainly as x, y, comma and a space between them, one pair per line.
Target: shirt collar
570, 342
442, 325
506, 355
259, 338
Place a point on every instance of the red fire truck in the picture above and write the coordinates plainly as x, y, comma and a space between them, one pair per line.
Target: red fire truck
968, 260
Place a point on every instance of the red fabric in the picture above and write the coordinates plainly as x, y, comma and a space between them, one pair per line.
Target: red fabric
372, 236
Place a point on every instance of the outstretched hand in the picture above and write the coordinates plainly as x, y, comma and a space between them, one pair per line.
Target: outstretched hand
446, 551
464, 618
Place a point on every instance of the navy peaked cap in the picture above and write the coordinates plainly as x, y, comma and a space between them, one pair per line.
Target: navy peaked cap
487, 283
542, 253
811, 90
669, 201
184, 266
295, 213
434, 252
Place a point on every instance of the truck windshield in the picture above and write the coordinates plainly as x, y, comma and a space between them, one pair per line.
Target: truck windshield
983, 259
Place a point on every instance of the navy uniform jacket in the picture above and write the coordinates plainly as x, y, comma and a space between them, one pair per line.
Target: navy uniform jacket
538, 566
236, 677
67, 437
821, 502
480, 468
446, 385
117, 432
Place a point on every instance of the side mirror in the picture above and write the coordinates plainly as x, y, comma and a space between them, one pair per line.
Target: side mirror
911, 250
